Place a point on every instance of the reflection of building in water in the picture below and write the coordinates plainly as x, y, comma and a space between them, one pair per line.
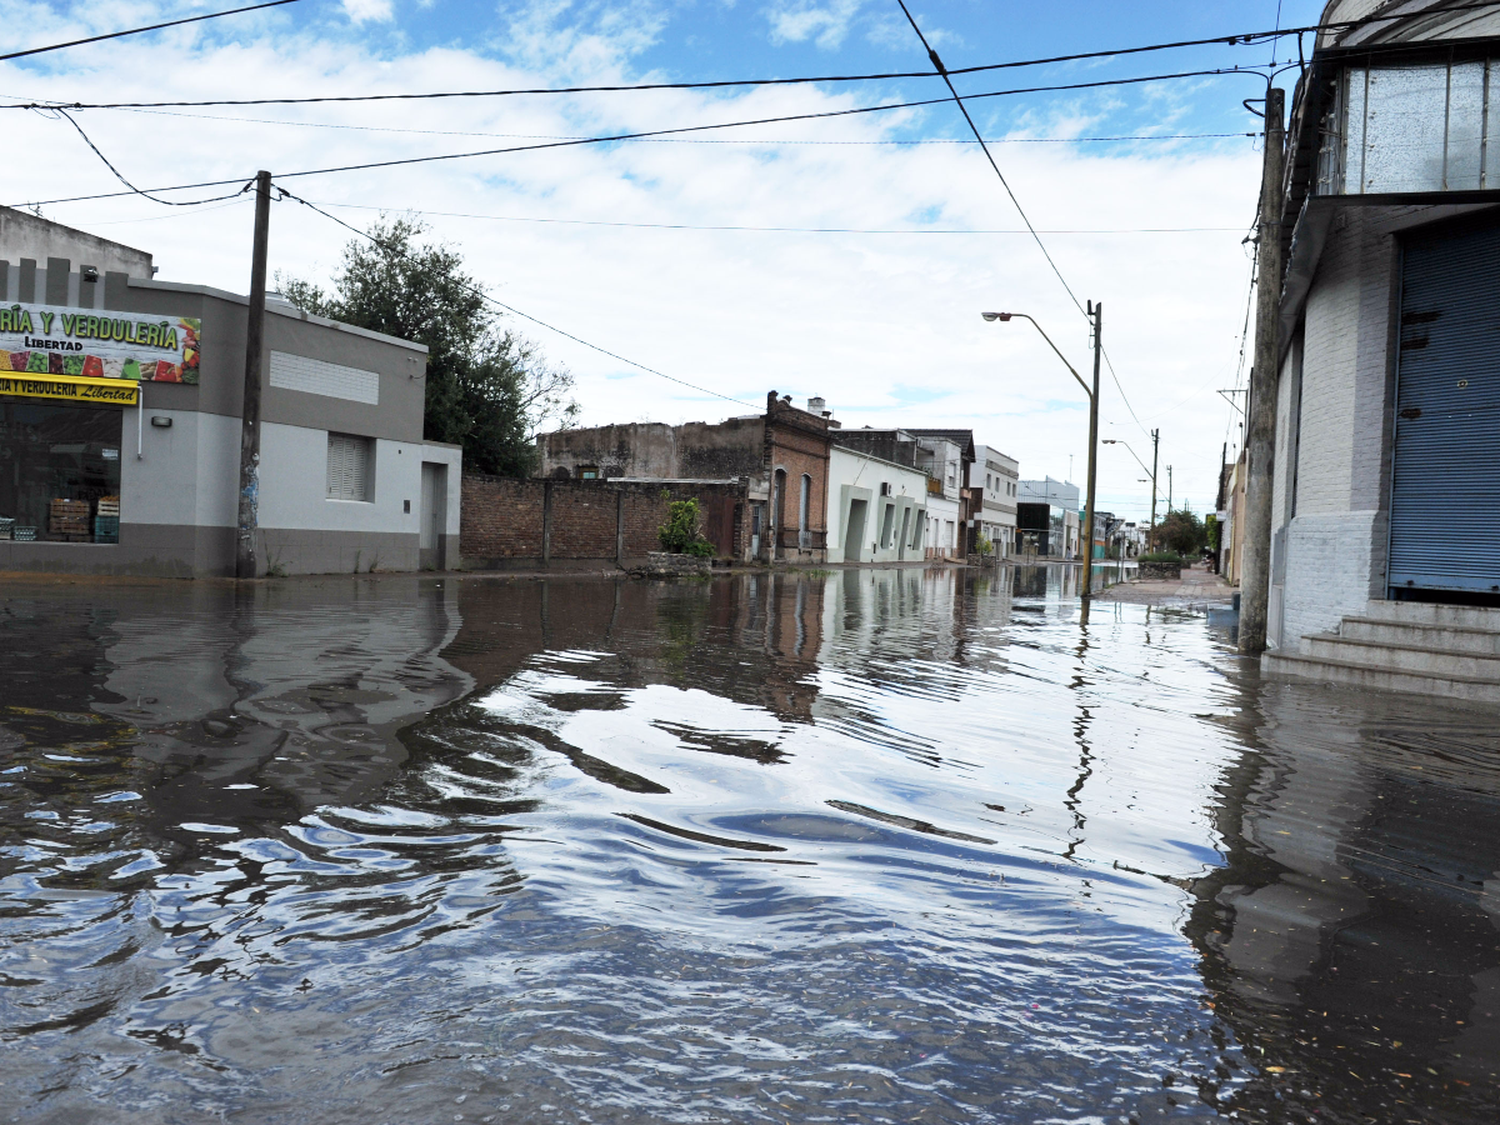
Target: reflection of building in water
292, 694
1353, 929
670, 633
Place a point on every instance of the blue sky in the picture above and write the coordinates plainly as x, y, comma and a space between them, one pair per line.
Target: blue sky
883, 325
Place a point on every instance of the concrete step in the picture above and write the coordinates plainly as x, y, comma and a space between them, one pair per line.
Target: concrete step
1450, 638
1403, 657
1434, 613
1379, 679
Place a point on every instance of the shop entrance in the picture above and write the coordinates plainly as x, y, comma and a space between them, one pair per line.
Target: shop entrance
59, 472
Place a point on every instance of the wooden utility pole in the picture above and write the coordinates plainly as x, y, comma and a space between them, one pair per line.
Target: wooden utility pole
255, 331
1096, 310
1155, 449
1260, 432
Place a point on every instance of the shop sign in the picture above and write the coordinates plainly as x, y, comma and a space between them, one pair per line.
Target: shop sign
112, 392
98, 344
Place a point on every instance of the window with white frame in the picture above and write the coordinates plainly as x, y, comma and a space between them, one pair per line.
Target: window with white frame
351, 468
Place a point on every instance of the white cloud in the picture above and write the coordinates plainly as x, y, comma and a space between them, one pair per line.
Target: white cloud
862, 319
363, 11
795, 21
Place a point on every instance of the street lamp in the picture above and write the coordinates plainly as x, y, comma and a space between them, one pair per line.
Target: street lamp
1096, 312
1155, 438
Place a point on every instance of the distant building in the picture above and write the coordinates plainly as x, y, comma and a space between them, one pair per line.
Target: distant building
948, 456
1047, 520
120, 405
999, 477
780, 457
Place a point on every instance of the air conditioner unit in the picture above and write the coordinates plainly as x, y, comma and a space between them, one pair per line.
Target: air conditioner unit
885, 488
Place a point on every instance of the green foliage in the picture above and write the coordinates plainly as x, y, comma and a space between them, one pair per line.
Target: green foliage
487, 389
984, 546
1183, 532
1171, 558
680, 534
1214, 529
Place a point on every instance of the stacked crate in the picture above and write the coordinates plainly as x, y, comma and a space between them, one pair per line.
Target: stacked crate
107, 520
68, 520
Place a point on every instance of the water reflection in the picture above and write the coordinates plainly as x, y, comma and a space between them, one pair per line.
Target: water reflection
878, 845
1351, 937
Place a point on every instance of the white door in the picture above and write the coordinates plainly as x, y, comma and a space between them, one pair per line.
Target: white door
434, 519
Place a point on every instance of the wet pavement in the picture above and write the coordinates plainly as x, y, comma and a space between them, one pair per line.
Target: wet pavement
874, 846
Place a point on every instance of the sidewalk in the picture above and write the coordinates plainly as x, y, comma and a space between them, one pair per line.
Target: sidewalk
1196, 587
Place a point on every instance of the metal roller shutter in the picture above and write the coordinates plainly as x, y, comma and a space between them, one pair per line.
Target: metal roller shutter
1445, 479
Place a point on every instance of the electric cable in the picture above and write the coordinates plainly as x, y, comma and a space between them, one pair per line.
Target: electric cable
913, 142
133, 189
141, 30
938, 63
517, 312
1237, 39
820, 115
764, 229
958, 101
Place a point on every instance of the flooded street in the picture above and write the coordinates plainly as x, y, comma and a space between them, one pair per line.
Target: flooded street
869, 846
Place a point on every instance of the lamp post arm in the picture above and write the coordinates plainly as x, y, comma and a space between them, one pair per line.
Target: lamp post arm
1060, 356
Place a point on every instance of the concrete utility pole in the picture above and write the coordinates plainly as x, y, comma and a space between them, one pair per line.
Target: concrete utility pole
1096, 310
1155, 449
1260, 437
244, 555
1169, 490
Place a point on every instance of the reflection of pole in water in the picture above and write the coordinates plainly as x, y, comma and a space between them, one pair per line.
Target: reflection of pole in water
1074, 801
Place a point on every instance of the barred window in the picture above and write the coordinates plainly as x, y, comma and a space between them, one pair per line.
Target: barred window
351, 467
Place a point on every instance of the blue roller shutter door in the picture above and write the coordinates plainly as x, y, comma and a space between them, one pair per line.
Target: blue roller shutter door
1445, 481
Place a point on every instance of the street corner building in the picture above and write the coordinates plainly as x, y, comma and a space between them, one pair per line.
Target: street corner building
121, 400
1385, 524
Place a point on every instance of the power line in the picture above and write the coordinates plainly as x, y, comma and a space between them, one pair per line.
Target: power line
886, 141
958, 101
823, 114
517, 312
769, 229
141, 30
1236, 39
133, 189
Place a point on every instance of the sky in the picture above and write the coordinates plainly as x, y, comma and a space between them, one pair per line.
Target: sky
847, 257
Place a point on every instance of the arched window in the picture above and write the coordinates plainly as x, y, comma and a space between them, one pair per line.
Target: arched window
804, 503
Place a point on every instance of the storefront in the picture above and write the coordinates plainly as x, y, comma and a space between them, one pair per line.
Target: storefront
68, 377
120, 429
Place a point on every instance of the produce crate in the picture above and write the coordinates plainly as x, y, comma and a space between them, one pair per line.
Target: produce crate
108, 506
106, 529
23, 534
6, 525
68, 517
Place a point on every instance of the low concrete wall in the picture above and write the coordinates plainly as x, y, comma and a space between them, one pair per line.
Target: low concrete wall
1160, 572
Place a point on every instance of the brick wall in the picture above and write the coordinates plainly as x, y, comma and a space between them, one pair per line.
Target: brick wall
499, 519
513, 523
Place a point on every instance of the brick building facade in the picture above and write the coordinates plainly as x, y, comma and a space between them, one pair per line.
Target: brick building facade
778, 462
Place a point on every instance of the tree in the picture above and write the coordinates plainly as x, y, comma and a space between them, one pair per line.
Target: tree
488, 389
1182, 531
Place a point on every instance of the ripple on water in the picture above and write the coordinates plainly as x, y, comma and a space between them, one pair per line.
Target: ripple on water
883, 846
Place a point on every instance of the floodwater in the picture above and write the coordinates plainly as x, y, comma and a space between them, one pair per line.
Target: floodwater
875, 846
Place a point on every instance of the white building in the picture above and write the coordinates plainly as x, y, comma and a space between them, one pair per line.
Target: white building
120, 406
877, 509
947, 456
999, 477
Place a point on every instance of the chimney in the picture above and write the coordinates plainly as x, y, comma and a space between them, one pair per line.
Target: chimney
816, 405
